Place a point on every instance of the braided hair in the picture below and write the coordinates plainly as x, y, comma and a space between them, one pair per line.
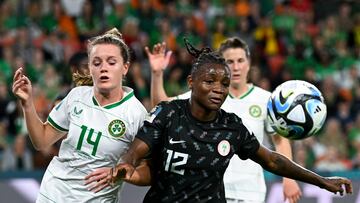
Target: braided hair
203, 56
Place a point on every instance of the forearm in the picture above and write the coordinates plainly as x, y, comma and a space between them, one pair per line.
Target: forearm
283, 166
141, 175
157, 92
137, 151
282, 146
35, 127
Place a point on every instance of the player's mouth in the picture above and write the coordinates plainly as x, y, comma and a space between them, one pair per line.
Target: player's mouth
216, 100
235, 77
104, 78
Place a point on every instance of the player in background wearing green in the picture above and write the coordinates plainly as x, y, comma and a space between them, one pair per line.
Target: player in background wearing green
100, 122
249, 103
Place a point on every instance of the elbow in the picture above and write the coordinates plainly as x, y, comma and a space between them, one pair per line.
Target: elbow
274, 163
39, 146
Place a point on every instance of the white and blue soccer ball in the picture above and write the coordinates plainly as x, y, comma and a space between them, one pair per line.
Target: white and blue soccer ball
296, 109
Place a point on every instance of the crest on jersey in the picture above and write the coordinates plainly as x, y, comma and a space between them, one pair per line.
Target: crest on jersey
153, 113
117, 128
255, 111
223, 147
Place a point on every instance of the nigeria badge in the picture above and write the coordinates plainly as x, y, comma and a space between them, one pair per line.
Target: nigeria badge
116, 128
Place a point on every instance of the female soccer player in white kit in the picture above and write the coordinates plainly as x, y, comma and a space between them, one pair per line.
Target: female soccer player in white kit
100, 122
249, 103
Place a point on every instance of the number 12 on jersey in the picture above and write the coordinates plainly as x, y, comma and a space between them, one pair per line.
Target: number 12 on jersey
171, 163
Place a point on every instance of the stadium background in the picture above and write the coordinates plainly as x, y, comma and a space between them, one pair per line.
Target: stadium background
317, 41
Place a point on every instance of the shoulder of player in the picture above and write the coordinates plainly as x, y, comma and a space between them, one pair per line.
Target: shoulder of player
260, 91
174, 105
79, 91
185, 95
231, 118
136, 105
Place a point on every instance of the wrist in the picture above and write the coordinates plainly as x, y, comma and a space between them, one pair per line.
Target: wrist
157, 72
27, 106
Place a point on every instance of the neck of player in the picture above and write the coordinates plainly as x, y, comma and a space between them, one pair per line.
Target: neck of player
237, 89
201, 112
109, 97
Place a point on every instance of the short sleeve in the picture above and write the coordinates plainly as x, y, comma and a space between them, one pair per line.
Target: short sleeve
154, 125
139, 114
186, 95
58, 117
249, 145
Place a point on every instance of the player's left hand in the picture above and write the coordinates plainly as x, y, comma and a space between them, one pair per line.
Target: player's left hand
292, 191
99, 179
337, 184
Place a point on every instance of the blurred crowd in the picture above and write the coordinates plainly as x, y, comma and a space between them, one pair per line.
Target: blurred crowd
316, 41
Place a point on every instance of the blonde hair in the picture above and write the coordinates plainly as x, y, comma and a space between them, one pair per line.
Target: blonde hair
82, 79
112, 36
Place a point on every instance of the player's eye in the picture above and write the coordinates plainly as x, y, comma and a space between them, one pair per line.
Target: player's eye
96, 63
111, 62
209, 81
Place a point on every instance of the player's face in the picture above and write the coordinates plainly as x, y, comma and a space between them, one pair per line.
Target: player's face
238, 63
107, 67
210, 86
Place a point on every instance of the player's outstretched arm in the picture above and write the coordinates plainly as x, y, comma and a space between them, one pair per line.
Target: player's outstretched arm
41, 134
159, 60
280, 165
291, 189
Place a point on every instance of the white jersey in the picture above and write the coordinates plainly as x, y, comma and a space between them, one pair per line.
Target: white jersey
244, 180
97, 137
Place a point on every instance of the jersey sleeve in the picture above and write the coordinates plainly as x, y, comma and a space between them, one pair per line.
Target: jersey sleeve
59, 115
249, 144
185, 95
154, 125
139, 118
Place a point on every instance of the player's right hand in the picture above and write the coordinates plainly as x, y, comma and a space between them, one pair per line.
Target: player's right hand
158, 58
22, 86
123, 172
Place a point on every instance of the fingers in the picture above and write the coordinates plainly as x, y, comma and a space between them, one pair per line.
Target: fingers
95, 177
348, 188
99, 185
345, 187
19, 82
294, 198
99, 179
167, 56
18, 74
162, 47
158, 48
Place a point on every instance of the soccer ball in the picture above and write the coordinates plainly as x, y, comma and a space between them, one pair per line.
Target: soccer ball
296, 109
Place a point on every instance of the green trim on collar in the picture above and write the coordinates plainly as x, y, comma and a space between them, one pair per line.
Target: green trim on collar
110, 106
248, 92
252, 87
